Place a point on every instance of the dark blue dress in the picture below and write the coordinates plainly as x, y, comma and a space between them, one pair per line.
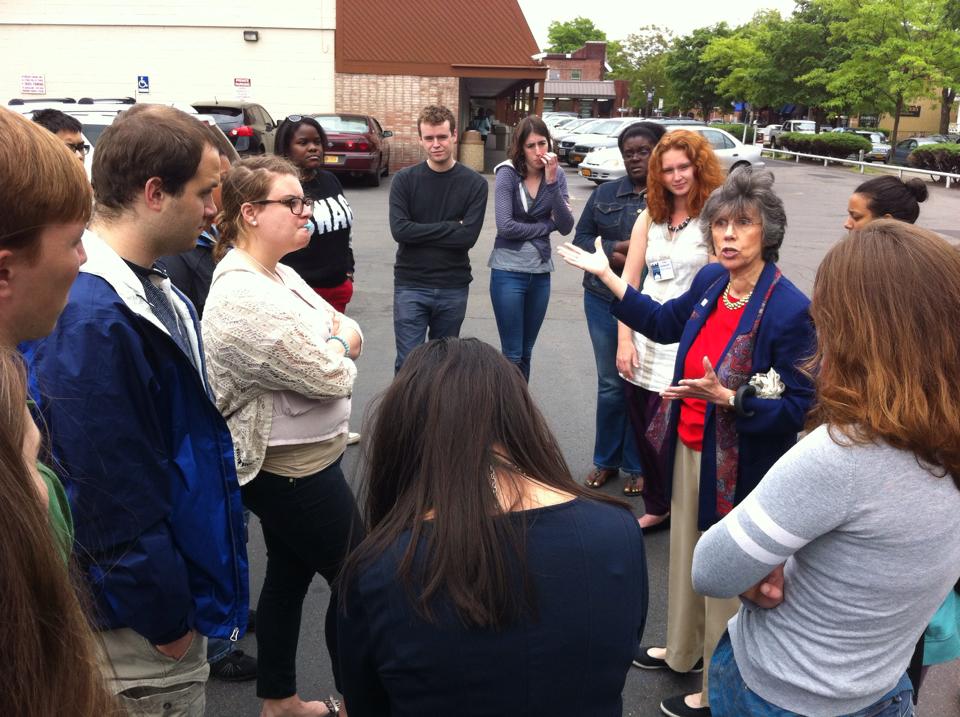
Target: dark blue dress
589, 573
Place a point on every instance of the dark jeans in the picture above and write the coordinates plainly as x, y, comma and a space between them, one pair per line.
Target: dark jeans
730, 696
614, 444
309, 525
642, 407
417, 309
519, 304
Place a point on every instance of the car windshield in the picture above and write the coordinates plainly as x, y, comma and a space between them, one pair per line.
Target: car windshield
337, 123
607, 127
223, 116
93, 131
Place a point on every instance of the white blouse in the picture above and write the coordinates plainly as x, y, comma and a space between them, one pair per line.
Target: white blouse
687, 252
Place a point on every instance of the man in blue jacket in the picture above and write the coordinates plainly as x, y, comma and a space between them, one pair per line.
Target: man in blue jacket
146, 456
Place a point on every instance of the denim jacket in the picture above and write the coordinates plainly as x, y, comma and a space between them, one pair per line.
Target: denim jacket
610, 213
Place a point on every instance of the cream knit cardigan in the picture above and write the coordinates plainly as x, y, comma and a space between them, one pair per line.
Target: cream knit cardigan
259, 338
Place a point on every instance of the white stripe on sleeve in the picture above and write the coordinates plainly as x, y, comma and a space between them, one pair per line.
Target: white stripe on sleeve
748, 544
762, 520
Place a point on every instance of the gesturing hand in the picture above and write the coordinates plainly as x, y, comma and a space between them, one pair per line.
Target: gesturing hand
707, 388
595, 263
768, 592
550, 166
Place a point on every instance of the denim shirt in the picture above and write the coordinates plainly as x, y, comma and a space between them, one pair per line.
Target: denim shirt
610, 213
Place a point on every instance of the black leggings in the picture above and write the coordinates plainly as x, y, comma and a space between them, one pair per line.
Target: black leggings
309, 525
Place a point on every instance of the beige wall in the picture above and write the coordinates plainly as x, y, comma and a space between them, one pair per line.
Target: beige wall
927, 123
396, 101
99, 48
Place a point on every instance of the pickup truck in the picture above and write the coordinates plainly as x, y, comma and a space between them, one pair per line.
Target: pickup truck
802, 126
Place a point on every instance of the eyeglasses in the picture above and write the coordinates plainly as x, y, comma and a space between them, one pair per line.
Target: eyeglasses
294, 204
79, 147
641, 153
720, 225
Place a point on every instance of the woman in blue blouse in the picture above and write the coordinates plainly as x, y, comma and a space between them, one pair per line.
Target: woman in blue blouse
491, 582
531, 201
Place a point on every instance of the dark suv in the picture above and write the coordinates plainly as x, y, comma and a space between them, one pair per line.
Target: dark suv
248, 125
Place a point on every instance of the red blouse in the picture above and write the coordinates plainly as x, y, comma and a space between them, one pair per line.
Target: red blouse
710, 342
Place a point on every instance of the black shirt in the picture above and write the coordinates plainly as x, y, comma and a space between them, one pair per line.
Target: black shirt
328, 258
435, 218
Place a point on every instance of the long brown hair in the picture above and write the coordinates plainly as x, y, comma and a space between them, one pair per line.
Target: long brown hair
457, 410
49, 662
707, 171
885, 303
528, 125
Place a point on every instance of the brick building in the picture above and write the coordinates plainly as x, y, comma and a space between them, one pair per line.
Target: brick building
576, 82
460, 54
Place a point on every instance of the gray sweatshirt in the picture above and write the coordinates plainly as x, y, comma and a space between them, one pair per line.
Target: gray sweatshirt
871, 545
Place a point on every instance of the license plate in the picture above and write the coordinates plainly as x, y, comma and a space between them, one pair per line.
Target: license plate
332, 159
576, 158
585, 172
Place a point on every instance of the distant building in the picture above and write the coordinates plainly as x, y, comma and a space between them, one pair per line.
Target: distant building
576, 82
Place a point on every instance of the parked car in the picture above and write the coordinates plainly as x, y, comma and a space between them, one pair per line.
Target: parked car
764, 133
880, 149
556, 122
248, 126
356, 145
904, 147
603, 134
606, 164
564, 140
801, 126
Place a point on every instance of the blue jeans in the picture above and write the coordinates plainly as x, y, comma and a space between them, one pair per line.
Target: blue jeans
730, 696
519, 304
417, 309
614, 446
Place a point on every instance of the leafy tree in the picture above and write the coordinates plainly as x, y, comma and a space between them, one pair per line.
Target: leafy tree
949, 51
572, 34
640, 58
693, 83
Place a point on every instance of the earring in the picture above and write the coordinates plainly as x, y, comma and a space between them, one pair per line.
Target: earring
254, 222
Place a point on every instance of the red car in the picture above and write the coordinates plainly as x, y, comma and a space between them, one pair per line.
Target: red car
356, 145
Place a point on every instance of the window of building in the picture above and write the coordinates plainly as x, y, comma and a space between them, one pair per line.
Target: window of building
554, 75
575, 74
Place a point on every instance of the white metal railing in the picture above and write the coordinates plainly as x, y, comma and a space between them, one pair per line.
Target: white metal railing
889, 168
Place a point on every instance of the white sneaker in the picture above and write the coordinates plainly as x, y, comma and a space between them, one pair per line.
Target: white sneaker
352, 438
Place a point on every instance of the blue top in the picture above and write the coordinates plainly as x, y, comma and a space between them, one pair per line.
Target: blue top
522, 223
610, 213
589, 573
785, 338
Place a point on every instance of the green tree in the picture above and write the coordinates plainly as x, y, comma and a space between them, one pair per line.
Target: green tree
893, 48
693, 83
949, 51
572, 34
640, 58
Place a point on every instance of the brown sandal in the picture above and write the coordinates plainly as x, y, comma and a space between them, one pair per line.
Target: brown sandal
634, 485
599, 476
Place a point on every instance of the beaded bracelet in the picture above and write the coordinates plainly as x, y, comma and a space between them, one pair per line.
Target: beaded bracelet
346, 346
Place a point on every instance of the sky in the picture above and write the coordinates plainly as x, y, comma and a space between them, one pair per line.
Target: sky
618, 18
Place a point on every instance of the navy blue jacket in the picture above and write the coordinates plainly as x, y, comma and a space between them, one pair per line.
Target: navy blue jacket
610, 213
785, 338
147, 460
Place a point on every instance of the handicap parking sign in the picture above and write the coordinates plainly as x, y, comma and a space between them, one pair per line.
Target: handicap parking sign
143, 84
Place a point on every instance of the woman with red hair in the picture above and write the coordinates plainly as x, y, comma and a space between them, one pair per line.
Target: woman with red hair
667, 247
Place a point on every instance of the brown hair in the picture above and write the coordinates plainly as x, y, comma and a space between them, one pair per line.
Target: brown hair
146, 141
49, 661
418, 465
885, 304
43, 183
247, 181
436, 114
707, 171
528, 125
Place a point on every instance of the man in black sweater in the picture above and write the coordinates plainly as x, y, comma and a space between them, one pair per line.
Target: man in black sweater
436, 213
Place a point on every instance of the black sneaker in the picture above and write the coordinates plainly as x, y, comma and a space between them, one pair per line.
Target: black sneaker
235, 666
645, 661
676, 707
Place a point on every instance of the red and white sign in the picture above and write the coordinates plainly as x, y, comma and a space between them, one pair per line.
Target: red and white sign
33, 85
241, 82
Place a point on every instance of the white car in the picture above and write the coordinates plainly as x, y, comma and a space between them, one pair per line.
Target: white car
606, 164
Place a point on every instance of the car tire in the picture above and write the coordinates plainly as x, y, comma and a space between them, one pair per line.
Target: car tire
373, 179
386, 169
737, 166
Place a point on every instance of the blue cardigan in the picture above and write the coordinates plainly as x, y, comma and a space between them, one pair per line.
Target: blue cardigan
785, 338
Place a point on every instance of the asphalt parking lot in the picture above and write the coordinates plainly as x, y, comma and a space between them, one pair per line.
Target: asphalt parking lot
563, 380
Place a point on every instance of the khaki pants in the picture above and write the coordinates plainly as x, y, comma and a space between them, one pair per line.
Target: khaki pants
150, 684
695, 623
